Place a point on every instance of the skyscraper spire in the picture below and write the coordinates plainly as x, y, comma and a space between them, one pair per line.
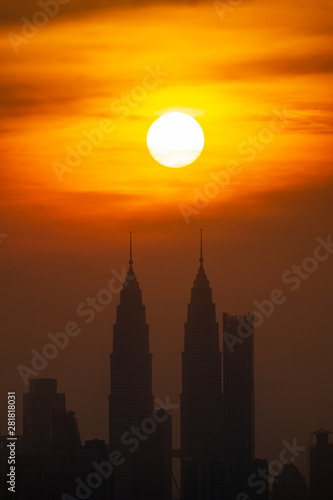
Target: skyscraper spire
201, 399
201, 279
131, 403
130, 271
131, 260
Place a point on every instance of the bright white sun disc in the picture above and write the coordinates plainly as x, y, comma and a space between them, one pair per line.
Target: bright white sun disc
175, 139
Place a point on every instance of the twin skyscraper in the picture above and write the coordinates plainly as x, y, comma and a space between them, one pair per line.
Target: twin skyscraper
217, 419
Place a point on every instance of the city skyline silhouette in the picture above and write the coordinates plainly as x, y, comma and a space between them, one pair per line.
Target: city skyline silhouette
203, 129
217, 412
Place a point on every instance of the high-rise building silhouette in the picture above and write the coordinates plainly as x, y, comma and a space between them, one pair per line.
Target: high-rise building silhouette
321, 467
146, 444
38, 404
46, 423
238, 388
202, 466
238, 393
65, 430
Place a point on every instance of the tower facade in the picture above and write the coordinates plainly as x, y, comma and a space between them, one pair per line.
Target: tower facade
38, 405
202, 466
238, 389
145, 442
321, 466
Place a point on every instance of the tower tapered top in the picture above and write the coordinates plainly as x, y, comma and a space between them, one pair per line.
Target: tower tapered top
130, 261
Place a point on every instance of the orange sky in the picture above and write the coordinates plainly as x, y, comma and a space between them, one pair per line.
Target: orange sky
65, 233
229, 74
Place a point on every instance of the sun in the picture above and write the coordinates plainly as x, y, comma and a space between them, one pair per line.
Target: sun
175, 139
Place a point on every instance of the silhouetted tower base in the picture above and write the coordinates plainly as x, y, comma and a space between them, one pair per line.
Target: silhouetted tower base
321, 467
144, 442
202, 465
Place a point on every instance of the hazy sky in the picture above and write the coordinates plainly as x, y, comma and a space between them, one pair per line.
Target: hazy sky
259, 83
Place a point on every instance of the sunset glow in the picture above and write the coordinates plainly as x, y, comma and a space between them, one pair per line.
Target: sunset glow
221, 75
99, 99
